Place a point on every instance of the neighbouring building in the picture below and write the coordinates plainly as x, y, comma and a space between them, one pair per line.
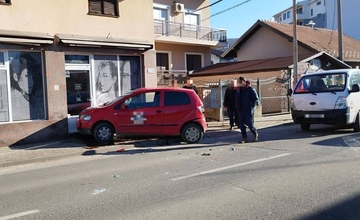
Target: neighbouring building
183, 38
323, 14
265, 57
58, 57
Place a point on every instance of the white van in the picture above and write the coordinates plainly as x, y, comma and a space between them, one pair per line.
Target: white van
327, 97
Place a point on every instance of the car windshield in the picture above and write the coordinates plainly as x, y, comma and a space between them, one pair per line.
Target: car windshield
118, 98
332, 82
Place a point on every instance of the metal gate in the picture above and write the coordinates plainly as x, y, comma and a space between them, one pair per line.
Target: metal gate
272, 95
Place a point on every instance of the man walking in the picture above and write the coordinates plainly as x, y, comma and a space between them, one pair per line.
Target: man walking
245, 101
229, 104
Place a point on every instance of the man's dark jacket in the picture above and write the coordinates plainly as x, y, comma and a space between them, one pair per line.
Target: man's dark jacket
229, 98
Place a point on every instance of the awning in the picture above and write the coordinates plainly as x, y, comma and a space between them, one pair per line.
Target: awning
25, 40
86, 41
109, 44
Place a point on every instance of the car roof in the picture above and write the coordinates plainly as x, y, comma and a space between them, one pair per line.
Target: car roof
163, 89
331, 71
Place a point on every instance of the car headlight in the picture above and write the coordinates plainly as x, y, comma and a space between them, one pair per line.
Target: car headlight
340, 103
85, 117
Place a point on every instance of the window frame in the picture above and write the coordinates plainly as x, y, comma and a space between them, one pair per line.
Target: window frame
102, 12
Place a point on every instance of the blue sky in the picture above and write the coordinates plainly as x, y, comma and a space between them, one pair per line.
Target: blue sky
238, 20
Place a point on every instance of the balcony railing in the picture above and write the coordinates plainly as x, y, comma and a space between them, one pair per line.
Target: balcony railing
166, 28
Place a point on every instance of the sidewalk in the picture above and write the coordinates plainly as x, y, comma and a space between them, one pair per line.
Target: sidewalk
77, 145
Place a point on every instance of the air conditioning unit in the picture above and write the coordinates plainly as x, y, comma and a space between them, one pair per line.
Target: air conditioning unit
179, 8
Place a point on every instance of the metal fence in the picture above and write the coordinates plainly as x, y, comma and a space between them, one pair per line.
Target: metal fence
272, 95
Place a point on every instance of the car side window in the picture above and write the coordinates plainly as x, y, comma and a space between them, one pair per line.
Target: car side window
354, 79
148, 99
176, 98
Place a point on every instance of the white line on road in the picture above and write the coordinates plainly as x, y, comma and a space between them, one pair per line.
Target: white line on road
19, 214
229, 167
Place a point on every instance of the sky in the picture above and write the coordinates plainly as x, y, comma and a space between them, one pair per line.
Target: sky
238, 20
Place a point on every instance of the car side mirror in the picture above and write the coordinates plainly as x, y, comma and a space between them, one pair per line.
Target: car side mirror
290, 91
355, 88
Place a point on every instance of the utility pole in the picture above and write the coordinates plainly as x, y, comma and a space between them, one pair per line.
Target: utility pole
340, 40
295, 43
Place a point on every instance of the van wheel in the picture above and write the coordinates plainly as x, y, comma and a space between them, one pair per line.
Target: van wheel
192, 133
103, 132
357, 123
305, 127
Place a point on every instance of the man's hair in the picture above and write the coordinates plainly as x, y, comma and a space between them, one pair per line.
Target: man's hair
241, 78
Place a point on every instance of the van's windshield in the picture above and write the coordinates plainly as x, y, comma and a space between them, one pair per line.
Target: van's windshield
332, 82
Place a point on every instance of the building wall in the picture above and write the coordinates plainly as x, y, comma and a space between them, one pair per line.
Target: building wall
266, 44
71, 17
179, 53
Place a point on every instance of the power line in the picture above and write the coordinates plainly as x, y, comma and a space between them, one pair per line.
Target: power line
227, 9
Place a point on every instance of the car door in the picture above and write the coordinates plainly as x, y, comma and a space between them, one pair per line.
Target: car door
140, 114
177, 110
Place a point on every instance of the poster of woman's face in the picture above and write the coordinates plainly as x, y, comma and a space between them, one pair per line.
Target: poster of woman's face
106, 76
26, 79
130, 77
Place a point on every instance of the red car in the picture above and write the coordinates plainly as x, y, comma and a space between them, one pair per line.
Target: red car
145, 112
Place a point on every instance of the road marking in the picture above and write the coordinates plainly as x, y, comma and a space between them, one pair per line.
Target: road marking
19, 214
229, 167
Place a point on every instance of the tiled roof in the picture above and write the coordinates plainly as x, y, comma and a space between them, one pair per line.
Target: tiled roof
316, 40
320, 39
268, 64
248, 66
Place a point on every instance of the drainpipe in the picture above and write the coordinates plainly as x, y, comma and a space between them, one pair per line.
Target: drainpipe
295, 43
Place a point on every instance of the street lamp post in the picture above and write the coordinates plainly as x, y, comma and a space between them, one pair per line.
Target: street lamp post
295, 43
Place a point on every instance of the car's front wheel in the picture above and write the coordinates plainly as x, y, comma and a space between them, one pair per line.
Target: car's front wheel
357, 123
192, 133
103, 132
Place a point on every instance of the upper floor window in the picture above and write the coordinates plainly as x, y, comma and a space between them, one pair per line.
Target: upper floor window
288, 14
5, 1
311, 12
284, 16
103, 7
318, 3
299, 11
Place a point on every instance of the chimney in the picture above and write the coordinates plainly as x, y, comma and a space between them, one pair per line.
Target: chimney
312, 24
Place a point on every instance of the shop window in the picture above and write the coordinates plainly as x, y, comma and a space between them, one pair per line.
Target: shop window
130, 74
77, 59
103, 7
27, 88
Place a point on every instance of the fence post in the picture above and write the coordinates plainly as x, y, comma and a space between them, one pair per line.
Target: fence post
258, 88
221, 101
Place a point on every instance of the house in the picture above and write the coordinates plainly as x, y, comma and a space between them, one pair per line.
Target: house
265, 57
89, 52
183, 38
323, 14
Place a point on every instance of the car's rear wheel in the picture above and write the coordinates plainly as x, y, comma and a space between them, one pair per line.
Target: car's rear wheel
103, 132
305, 127
357, 123
192, 133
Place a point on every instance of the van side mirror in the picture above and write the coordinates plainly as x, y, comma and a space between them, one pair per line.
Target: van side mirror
355, 88
290, 91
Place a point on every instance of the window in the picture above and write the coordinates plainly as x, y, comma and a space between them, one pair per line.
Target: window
5, 1
2, 61
149, 99
103, 7
288, 14
176, 98
318, 3
77, 59
193, 62
162, 60
284, 16
311, 12
299, 11
26, 87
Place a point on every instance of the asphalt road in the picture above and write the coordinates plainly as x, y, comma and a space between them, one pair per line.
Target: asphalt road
290, 174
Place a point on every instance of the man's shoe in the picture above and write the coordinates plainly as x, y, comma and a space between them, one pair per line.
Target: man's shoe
231, 127
244, 140
256, 137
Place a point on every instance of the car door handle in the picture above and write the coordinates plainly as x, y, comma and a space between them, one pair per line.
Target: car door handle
158, 111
